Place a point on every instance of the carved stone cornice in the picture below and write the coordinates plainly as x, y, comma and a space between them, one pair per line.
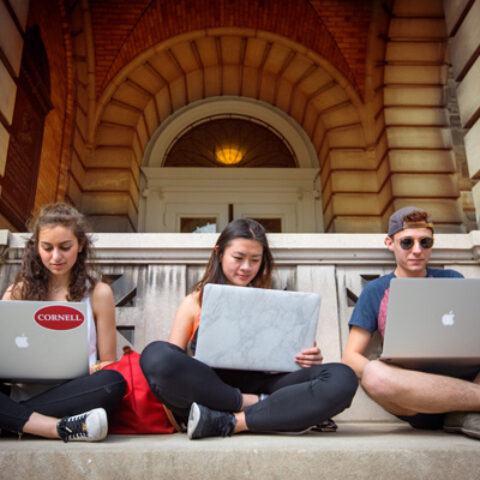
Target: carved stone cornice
288, 249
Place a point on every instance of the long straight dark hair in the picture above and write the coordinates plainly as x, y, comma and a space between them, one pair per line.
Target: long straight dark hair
240, 228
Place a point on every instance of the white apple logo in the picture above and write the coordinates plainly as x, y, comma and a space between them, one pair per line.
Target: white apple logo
448, 319
21, 341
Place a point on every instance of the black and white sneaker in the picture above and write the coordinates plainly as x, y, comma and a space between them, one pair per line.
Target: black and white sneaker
204, 422
90, 426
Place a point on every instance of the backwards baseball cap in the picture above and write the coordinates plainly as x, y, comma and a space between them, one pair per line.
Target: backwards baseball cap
397, 220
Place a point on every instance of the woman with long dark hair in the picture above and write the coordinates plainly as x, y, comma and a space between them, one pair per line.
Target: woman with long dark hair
55, 267
220, 402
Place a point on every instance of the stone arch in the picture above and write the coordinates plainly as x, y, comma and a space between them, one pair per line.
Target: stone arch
294, 200
227, 62
241, 107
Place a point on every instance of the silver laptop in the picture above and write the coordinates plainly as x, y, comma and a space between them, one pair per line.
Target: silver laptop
254, 328
433, 322
42, 342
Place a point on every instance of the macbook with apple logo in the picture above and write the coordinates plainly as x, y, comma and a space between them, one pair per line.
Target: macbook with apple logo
43, 342
433, 323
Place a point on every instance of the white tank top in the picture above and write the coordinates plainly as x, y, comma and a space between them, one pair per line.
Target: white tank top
92, 332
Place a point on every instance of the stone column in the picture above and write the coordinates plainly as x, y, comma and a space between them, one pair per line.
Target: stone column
421, 160
13, 19
462, 20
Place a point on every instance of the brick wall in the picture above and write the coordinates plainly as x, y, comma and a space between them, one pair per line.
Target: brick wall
49, 16
336, 29
462, 19
348, 21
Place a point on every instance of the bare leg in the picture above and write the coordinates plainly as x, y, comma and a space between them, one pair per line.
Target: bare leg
42, 426
241, 424
407, 392
248, 399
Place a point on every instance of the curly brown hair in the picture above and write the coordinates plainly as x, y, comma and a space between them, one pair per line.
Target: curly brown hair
33, 280
239, 228
417, 216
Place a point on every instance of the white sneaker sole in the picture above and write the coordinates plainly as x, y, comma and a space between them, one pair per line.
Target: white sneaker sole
193, 418
100, 418
465, 431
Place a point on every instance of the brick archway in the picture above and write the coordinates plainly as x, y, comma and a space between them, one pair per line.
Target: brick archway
310, 23
234, 62
365, 171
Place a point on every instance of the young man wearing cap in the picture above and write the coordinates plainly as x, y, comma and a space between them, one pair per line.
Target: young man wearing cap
420, 398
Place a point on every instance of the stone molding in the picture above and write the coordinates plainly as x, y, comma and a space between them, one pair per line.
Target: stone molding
288, 249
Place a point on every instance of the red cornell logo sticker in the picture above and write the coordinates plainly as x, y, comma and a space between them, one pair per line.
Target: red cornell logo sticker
59, 317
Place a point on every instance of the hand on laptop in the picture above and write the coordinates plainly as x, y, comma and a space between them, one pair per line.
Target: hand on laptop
309, 356
98, 366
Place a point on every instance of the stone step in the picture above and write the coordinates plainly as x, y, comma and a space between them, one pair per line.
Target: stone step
355, 451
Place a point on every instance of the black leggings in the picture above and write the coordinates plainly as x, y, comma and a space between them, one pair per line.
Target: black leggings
102, 389
296, 400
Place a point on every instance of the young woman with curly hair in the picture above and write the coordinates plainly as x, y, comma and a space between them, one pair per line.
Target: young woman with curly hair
55, 267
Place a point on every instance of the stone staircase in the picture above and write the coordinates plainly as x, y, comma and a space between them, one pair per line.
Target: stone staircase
356, 451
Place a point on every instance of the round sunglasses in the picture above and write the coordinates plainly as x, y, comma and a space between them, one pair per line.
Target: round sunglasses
408, 242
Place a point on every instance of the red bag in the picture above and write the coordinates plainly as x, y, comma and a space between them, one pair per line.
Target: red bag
139, 410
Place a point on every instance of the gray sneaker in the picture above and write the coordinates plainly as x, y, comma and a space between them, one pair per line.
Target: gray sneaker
204, 422
467, 423
90, 426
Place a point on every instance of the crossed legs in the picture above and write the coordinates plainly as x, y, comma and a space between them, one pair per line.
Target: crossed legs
297, 400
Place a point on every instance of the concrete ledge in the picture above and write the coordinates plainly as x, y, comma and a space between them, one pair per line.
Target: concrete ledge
356, 451
288, 249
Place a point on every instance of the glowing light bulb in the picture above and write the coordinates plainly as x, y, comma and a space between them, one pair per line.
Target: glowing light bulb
228, 155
